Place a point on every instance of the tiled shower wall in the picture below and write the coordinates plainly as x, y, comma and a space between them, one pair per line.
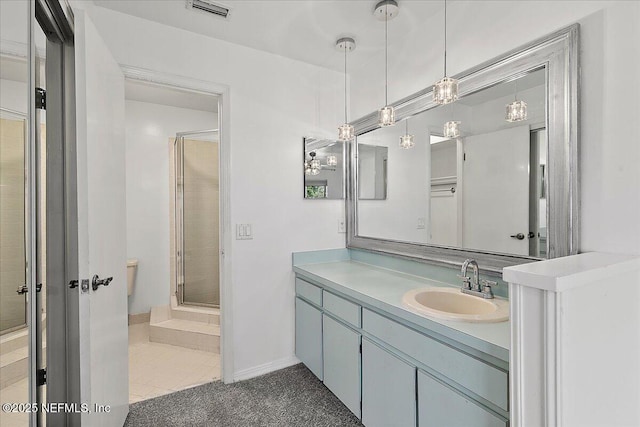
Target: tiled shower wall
12, 251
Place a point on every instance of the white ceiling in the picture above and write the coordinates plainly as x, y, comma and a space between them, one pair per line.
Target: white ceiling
305, 30
163, 95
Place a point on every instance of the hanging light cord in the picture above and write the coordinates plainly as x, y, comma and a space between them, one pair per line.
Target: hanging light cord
445, 38
515, 95
345, 82
386, 61
406, 127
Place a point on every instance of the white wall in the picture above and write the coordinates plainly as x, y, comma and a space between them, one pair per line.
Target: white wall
275, 101
148, 129
610, 59
408, 172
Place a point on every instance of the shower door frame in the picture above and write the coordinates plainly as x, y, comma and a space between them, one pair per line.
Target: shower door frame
178, 157
21, 116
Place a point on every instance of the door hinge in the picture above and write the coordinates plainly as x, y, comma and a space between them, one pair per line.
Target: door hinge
41, 99
360, 348
41, 377
464, 157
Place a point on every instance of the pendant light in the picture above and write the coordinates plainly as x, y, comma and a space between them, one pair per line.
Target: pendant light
445, 91
386, 10
332, 159
517, 110
312, 167
406, 140
346, 132
452, 127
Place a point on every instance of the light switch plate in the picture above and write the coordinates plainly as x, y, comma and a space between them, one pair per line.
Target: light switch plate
244, 232
421, 224
341, 226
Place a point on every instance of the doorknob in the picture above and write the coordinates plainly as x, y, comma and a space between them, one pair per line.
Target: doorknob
96, 282
519, 236
22, 289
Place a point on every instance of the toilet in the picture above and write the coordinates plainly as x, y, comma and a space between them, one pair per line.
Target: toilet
132, 265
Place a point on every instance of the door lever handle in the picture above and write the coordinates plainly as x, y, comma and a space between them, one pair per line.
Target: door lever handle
519, 236
96, 282
23, 289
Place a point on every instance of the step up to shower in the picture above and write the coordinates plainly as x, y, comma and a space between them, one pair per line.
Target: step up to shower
195, 328
14, 357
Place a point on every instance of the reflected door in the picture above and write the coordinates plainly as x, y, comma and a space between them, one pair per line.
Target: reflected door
495, 201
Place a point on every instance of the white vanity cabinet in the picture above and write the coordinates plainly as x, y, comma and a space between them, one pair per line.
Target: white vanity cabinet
309, 326
341, 362
440, 405
391, 372
388, 388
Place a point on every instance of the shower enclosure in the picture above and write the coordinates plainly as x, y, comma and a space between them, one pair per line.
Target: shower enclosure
13, 309
197, 215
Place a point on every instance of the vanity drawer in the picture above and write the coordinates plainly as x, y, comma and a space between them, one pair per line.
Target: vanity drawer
473, 374
309, 292
340, 307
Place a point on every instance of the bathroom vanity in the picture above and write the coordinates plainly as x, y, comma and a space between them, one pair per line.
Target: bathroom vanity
388, 364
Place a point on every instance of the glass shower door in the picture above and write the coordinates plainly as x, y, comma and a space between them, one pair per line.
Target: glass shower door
13, 309
197, 216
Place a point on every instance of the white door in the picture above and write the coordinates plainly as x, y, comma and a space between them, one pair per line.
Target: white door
444, 205
104, 362
495, 198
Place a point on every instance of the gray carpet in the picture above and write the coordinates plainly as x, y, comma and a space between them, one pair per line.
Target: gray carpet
289, 397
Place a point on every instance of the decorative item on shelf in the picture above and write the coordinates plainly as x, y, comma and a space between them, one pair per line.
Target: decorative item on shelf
332, 160
312, 167
346, 132
517, 110
445, 90
406, 140
385, 11
452, 129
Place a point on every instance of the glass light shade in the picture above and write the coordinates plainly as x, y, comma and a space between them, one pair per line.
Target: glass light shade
307, 168
516, 111
332, 160
445, 91
406, 141
346, 132
314, 164
386, 116
314, 171
452, 129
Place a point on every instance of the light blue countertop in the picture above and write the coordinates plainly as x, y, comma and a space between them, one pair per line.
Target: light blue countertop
383, 289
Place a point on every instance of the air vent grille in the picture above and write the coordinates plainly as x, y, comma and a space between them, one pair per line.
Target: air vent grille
208, 7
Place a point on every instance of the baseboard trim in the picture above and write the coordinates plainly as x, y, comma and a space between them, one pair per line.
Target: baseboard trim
139, 318
266, 368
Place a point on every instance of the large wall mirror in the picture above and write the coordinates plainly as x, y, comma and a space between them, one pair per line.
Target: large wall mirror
502, 190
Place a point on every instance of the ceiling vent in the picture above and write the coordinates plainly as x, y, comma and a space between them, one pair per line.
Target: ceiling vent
209, 7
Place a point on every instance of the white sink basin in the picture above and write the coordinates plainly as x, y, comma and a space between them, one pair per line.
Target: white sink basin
452, 304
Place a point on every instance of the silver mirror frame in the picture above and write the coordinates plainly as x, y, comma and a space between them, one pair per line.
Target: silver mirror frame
557, 53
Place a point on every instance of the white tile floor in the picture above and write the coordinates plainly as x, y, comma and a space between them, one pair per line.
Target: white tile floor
15, 393
154, 370
157, 369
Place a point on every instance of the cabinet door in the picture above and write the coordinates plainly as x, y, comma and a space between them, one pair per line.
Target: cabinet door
309, 336
388, 388
441, 406
341, 354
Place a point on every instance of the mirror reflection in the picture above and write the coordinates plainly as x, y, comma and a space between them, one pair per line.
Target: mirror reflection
323, 169
473, 178
372, 167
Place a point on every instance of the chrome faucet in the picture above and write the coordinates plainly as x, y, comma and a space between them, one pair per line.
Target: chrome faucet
475, 286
